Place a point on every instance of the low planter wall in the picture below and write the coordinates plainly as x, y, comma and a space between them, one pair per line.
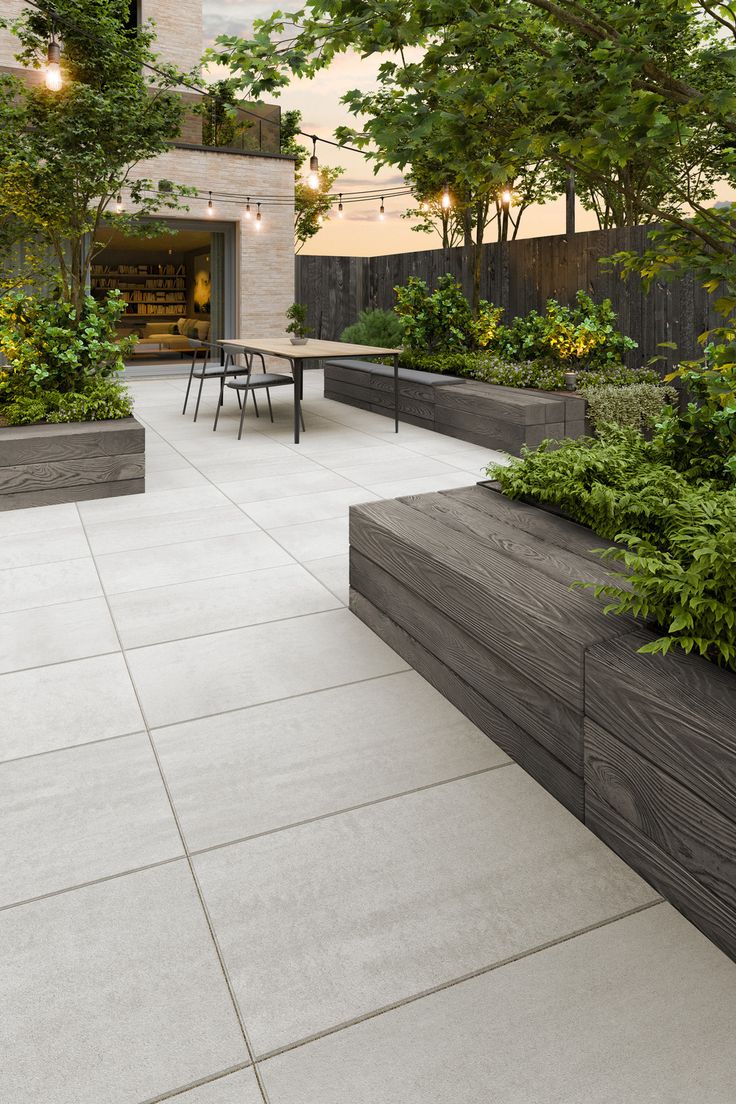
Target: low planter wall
501, 418
44, 464
473, 590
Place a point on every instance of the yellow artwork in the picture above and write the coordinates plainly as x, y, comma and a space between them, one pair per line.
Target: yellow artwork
202, 288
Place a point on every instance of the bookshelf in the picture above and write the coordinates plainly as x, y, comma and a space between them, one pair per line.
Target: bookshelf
150, 290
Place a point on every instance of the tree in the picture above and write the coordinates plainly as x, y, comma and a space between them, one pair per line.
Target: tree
615, 90
312, 206
66, 155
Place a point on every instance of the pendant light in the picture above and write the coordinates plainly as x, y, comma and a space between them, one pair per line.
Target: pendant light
446, 200
53, 67
210, 208
382, 211
313, 178
247, 209
340, 210
258, 217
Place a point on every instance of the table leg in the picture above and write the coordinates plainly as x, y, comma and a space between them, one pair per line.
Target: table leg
396, 394
298, 384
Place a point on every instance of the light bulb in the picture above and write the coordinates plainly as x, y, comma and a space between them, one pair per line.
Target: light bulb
119, 205
382, 211
340, 209
258, 218
313, 181
247, 209
53, 68
313, 178
506, 197
446, 201
210, 208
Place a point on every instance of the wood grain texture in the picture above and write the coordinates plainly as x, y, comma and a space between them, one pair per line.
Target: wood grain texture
702, 908
79, 472
537, 623
47, 443
551, 722
694, 834
562, 783
678, 711
53, 496
519, 276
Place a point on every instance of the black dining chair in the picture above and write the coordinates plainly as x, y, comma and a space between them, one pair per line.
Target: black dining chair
224, 367
249, 383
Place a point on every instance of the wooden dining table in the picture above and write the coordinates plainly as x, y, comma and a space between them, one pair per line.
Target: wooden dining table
310, 355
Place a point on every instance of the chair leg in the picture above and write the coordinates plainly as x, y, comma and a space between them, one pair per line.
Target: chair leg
255, 405
219, 404
242, 414
270, 408
189, 383
199, 396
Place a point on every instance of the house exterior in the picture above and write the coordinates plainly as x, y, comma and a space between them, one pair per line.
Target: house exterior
259, 269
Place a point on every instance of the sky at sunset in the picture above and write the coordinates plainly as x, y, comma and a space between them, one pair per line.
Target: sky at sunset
360, 232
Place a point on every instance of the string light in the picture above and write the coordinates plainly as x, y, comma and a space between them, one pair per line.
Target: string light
506, 198
210, 208
247, 209
313, 178
382, 211
258, 217
53, 66
340, 207
119, 205
446, 200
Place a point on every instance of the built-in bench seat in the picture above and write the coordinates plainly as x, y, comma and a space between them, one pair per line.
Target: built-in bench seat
501, 418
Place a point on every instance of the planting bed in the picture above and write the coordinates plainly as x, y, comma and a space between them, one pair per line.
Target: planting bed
501, 418
473, 590
45, 464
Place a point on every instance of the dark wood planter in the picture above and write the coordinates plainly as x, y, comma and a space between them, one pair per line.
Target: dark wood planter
45, 464
473, 590
501, 418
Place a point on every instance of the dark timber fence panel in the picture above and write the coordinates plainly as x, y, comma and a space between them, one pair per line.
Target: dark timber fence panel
520, 276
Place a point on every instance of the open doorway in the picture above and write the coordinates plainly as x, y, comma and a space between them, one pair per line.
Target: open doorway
178, 288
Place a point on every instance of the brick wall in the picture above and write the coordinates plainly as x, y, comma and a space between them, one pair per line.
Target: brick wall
180, 37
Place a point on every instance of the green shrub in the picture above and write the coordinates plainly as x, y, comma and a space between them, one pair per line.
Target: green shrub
632, 405
579, 337
375, 327
102, 399
679, 536
436, 322
701, 440
48, 347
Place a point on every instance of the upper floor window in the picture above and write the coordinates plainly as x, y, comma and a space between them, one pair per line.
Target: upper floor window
134, 13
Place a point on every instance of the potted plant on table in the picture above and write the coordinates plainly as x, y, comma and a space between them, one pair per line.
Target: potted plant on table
298, 328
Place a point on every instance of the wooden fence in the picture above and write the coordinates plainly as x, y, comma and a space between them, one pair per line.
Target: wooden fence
520, 276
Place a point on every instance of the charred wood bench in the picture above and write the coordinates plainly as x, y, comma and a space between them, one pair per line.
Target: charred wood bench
473, 590
501, 418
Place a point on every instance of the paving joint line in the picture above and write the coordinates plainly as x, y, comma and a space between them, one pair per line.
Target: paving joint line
172, 1094
450, 984
193, 874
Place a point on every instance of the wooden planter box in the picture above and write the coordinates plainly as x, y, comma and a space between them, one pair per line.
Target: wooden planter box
45, 464
501, 418
473, 590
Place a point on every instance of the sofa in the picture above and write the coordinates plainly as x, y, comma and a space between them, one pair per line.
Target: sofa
176, 336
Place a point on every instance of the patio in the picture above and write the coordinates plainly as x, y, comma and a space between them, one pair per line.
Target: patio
249, 855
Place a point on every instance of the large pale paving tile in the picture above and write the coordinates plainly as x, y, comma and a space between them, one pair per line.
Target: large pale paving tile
54, 634
240, 469
211, 605
236, 1088
66, 704
174, 478
130, 533
113, 993
384, 902
141, 568
371, 453
38, 519
334, 573
50, 546
81, 814
151, 504
306, 507
230, 670
47, 584
413, 467
424, 485
262, 768
640, 1011
314, 540
263, 488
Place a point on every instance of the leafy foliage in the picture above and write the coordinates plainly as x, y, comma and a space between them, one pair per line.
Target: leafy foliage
493, 368
442, 321
583, 337
631, 406
375, 327
101, 399
678, 537
701, 440
50, 345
